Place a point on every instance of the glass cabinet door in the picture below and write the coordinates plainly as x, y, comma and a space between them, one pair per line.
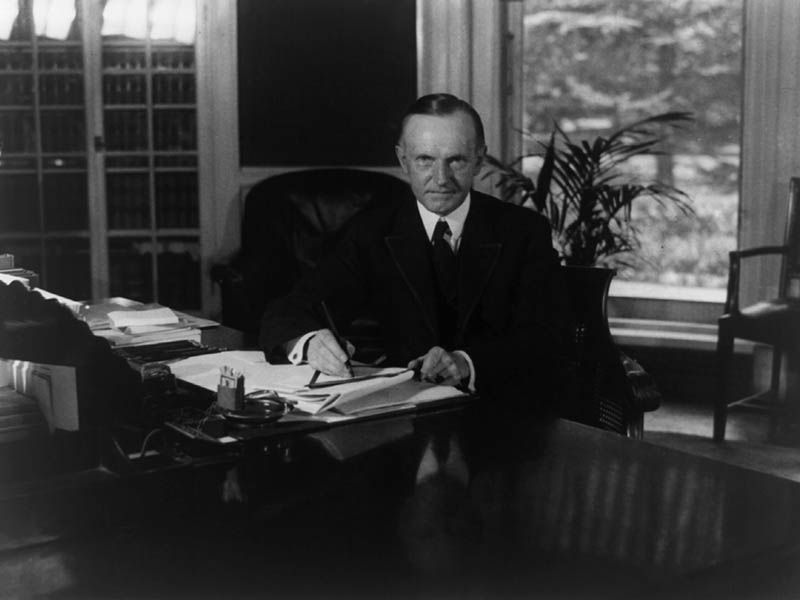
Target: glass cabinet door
150, 138
145, 137
44, 210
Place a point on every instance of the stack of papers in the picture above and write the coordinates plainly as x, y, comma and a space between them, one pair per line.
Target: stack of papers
372, 389
125, 322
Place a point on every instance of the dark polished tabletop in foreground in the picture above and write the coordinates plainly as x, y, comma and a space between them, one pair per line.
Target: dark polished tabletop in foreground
453, 503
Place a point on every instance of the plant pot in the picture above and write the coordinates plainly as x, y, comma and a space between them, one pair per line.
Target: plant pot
587, 289
595, 389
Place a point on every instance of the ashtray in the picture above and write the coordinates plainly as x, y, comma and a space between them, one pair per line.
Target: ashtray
258, 409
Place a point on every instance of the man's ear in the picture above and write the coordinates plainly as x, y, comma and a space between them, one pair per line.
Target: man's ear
480, 159
401, 157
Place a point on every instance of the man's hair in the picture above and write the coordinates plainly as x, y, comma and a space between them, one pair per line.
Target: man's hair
442, 105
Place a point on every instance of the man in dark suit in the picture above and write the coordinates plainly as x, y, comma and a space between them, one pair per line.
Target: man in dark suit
466, 288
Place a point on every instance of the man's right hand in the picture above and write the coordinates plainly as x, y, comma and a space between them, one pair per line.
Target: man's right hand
326, 355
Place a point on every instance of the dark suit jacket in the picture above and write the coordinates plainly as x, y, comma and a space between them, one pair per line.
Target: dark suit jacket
510, 295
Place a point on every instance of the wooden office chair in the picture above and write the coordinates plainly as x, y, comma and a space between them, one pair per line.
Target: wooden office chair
774, 322
290, 221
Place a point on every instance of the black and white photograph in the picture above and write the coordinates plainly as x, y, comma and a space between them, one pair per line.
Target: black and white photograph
399, 299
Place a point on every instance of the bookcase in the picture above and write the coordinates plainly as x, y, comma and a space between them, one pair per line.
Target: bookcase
99, 175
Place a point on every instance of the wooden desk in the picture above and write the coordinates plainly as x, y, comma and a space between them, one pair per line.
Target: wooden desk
459, 503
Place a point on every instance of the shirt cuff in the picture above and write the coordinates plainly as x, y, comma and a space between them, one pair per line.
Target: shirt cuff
471, 381
298, 354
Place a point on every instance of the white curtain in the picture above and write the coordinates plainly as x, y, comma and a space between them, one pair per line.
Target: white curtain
771, 135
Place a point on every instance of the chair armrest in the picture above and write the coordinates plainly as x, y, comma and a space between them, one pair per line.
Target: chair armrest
758, 251
645, 395
734, 270
225, 274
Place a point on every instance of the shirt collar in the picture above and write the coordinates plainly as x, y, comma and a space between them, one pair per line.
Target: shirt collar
455, 220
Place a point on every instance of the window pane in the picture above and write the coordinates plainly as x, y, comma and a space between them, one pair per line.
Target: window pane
591, 66
176, 200
128, 198
67, 268
131, 268
19, 204
126, 130
63, 131
179, 272
65, 202
174, 130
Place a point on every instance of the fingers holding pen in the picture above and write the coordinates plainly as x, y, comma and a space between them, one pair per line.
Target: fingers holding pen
440, 366
325, 354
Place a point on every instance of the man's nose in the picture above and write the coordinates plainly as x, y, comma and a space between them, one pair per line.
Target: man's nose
442, 171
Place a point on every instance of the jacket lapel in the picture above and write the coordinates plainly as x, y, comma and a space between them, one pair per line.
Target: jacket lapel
408, 247
477, 257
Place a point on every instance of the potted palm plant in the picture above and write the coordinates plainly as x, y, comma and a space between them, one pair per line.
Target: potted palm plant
586, 192
588, 195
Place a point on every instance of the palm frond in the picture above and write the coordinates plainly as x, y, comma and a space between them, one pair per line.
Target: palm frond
584, 191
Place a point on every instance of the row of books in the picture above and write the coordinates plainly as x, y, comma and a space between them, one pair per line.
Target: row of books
173, 129
178, 273
63, 131
130, 59
61, 89
65, 207
65, 198
167, 88
53, 59
18, 131
176, 200
16, 90
19, 209
16, 59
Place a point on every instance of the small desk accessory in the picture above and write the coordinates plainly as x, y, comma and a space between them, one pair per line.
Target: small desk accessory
230, 390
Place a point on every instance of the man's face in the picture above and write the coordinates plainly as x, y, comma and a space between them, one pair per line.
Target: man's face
441, 158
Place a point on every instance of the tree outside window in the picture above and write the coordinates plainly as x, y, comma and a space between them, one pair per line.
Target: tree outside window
593, 65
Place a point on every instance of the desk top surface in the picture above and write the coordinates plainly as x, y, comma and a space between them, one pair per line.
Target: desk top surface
452, 503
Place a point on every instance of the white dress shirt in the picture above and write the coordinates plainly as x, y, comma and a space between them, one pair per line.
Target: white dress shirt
455, 220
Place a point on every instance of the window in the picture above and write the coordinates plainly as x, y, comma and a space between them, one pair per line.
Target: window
590, 66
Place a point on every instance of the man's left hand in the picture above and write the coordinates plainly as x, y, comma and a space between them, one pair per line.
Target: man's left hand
440, 366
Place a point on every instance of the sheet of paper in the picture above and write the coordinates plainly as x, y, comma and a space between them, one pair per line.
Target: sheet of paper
290, 381
133, 318
53, 386
75, 306
260, 375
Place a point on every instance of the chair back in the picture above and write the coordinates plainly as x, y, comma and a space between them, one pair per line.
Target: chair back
305, 211
790, 267
290, 221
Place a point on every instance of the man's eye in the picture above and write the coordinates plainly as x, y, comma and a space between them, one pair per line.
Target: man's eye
424, 161
458, 163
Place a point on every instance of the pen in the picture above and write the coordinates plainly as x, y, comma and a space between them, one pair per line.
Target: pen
339, 340
323, 384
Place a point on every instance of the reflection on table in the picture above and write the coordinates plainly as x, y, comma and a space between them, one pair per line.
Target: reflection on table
458, 502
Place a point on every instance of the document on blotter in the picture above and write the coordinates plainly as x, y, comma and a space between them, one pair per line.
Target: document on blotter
373, 389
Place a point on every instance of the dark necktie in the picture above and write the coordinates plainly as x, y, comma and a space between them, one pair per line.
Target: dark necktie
444, 260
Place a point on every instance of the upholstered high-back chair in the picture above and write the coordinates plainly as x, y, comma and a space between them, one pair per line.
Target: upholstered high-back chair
289, 222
